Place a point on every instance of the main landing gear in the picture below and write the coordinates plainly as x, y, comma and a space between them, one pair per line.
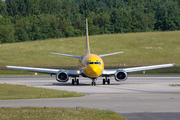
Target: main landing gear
106, 80
75, 81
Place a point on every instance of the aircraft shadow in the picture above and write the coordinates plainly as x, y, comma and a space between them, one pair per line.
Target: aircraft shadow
80, 84
69, 84
86, 84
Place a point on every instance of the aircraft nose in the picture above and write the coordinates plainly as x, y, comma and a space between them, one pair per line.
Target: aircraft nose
95, 71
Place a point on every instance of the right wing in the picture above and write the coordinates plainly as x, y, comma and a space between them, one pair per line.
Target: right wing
45, 70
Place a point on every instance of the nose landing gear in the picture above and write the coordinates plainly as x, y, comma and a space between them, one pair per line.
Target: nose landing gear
93, 82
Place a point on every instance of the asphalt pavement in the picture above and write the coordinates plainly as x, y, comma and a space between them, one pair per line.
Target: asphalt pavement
137, 98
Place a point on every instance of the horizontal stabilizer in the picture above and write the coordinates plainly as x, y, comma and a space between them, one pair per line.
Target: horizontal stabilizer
104, 55
67, 55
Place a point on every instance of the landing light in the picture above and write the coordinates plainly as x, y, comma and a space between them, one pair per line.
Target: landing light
78, 72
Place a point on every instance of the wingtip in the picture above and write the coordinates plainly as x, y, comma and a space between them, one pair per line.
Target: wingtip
173, 64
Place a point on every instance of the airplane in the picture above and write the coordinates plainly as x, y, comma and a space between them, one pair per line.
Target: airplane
92, 67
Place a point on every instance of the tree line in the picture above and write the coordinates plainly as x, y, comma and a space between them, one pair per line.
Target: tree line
25, 20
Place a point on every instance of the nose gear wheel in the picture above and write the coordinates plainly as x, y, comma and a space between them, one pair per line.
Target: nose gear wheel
93, 82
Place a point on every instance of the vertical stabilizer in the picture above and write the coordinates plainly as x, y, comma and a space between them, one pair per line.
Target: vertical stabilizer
87, 39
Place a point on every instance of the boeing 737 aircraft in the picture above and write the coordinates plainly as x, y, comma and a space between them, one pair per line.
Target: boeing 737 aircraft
92, 67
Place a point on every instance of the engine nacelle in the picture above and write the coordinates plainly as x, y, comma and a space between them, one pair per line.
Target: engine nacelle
121, 75
62, 76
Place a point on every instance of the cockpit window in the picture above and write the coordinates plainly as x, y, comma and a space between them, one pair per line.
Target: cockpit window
93, 63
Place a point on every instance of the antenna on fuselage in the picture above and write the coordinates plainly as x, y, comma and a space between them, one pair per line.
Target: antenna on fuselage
87, 39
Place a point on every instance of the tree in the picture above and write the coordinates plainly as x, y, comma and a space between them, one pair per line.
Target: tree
3, 8
11, 7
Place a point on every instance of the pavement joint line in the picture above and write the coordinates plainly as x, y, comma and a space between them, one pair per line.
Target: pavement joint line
144, 91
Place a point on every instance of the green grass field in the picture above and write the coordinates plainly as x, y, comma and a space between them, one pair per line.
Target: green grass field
28, 113
148, 48
174, 85
23, 92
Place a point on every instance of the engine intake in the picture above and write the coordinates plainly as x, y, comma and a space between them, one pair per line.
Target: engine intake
121, 75
62, 76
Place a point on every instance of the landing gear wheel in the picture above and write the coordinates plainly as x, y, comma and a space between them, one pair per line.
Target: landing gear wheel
94, 83
77, 81
108, 81
104, 82
72, 81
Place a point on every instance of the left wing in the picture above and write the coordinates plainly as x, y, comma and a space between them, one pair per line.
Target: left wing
44, 70
104, 55
136, 69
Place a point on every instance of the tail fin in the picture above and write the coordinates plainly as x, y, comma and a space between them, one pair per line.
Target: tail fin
87, 39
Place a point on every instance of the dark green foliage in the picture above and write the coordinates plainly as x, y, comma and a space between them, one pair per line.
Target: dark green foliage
23, 20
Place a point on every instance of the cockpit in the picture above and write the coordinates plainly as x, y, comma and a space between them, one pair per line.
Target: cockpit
93, 63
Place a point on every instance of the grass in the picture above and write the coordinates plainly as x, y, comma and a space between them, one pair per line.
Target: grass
24, 92
28, 113
174, 85
140, 49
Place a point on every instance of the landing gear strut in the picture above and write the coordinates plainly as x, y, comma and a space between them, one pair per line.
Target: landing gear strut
93, 82
75, 81
106, 80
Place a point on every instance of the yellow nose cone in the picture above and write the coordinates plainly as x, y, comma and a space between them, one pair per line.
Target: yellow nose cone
93, 70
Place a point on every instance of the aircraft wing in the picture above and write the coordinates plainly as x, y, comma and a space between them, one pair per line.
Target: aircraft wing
136, 69
104, 55
44, 70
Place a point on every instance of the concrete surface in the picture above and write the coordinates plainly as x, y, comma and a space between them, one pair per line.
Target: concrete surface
138, 98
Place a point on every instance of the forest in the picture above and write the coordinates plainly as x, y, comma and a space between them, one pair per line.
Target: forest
28, 20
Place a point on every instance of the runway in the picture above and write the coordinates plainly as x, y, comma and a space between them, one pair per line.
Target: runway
139, 97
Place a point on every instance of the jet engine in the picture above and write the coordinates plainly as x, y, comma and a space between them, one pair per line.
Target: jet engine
62, 76
121, 75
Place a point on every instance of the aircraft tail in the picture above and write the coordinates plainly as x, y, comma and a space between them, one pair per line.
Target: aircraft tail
87, 45
87, 39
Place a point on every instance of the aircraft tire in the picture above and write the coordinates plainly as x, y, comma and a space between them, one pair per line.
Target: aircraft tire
77, 81
108, 81
94, 83
72, 81
104, 82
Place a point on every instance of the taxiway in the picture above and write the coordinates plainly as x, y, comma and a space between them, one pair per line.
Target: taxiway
139, 97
